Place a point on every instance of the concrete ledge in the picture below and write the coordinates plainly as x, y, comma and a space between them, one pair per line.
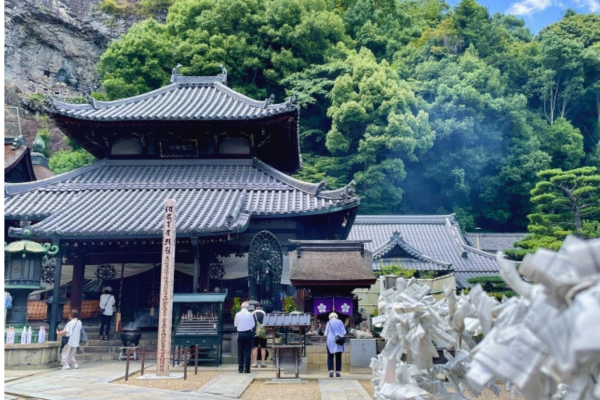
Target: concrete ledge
31, 356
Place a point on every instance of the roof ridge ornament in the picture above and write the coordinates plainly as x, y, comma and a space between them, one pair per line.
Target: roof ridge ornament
38, 144
18, 141
175, 72
223, 74
268, 101
25, 225
293, 100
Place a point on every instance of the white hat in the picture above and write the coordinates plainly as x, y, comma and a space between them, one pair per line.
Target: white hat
107, 288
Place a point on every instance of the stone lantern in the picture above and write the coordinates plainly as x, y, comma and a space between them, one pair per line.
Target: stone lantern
23, 269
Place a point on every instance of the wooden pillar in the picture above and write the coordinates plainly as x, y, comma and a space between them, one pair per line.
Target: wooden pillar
196, 250
204, 266
55, 292
77, 283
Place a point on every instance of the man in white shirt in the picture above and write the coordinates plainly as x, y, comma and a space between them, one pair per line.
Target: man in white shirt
107, 303
73, 332
244, 323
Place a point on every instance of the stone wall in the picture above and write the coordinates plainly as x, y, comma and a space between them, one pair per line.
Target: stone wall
31, 356
316, 358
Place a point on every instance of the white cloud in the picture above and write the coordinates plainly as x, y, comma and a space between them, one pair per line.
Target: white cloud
593, 5
528, 7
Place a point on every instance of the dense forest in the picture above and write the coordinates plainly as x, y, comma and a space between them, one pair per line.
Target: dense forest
429, 109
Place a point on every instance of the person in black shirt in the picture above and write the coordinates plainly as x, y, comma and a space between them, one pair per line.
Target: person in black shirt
259, 343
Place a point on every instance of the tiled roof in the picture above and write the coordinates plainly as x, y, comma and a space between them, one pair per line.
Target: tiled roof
436, 237
494, 241
421, 261
124, 197
187, 98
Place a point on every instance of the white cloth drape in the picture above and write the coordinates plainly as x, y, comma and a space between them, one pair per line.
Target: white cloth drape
235, 268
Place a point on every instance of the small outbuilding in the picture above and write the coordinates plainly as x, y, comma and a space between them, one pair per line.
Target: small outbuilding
328, 271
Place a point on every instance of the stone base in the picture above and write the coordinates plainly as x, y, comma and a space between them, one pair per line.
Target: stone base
316, 358
359, 370
362, 351
286, 380
31, 356
156, 377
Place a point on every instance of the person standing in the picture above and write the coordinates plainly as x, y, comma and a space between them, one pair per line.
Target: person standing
334, 328
107, 308
259, 343
73, 332
244, 323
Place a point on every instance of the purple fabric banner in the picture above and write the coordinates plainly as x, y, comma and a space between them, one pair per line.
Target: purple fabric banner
343, 305
322, 305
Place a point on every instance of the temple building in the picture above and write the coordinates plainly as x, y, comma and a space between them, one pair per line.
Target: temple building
423, 243
226, 159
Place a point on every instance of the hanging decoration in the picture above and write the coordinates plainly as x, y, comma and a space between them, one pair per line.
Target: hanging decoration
48, 268
105, 272
217, 270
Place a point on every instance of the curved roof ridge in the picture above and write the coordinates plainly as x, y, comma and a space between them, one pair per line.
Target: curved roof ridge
496, 233
477, 251
244, 98
311, 188
398, 240
387, 219
16, 188
98, 104
193, 81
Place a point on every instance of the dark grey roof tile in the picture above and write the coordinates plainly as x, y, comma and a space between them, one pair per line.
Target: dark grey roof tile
495, 241
125, 197
193, 98
438, 237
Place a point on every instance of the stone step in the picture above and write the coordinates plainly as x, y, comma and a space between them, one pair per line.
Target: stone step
117, 342
92, 335
97, 356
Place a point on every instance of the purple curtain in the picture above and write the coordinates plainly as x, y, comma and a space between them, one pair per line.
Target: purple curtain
343, 305
322, 305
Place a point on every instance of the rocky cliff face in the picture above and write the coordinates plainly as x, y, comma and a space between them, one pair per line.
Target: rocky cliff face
52, 46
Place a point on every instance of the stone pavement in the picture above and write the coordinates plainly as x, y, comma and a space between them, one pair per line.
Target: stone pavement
228, 384
339, 389
92, 382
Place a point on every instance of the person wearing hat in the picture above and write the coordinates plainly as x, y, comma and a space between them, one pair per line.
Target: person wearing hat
107, 304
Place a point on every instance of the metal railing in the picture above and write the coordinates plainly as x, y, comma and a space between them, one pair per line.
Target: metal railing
145, 355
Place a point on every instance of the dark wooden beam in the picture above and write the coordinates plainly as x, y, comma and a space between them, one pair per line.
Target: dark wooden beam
77, 284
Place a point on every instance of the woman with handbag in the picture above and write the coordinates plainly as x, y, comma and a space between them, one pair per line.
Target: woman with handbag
71, 338
107, 304
335, 331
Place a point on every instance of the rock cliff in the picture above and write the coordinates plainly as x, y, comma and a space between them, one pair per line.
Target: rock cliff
52, 46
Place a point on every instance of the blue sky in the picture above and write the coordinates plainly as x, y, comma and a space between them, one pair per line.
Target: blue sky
538, 13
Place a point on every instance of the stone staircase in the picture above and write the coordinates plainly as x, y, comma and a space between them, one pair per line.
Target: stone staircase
97, 349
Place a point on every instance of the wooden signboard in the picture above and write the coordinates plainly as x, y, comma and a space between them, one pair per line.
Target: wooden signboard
167, 278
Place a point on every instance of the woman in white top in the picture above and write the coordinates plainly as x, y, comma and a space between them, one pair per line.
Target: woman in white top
73, 332
107, 303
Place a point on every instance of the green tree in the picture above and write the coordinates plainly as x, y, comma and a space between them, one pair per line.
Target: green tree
563, 199
376, 124
567, 202
259, 42
138, 62
559, 78
481, 130
65, 160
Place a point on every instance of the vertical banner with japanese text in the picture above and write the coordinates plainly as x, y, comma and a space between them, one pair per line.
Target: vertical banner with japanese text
167, 278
